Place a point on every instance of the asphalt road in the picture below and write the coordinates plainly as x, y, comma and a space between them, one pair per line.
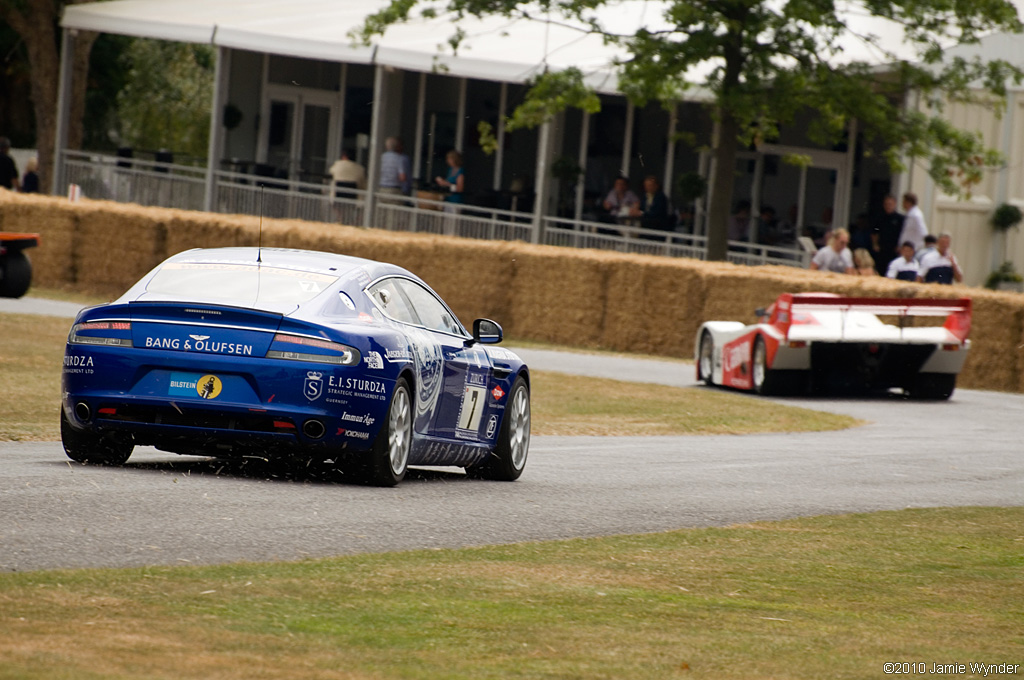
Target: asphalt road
167, 509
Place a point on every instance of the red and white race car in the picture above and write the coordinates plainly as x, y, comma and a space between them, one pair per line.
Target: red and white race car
820, 341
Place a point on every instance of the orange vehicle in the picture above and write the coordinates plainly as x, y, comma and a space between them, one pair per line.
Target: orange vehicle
15, 269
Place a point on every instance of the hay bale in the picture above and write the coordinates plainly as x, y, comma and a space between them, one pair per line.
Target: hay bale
653, 305
997, 325
558, 295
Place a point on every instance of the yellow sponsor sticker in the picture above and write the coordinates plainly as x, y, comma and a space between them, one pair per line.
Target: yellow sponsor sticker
209, 386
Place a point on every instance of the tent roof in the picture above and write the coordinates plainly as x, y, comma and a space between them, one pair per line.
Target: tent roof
495, 48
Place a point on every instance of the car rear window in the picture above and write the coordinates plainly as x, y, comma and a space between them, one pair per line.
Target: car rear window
248, 284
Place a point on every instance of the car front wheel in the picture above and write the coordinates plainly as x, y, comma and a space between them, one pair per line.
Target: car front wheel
508, 459
706, 359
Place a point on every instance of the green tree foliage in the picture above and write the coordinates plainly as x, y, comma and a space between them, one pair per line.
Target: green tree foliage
765, 61
166, 98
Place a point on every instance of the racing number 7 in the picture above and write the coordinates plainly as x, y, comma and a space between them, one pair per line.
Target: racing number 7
469, 414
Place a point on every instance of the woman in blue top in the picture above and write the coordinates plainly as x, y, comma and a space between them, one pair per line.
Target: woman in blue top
455, 183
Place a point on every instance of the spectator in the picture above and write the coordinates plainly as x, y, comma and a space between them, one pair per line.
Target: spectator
455, 182
864, 263
885, 233
653, 208
620, 200
904, 267
940, 266
768, 226
348, 174
914, 228
929, 247
406, 169
836, 256
393, 168
8, 168
739, 222
30, 180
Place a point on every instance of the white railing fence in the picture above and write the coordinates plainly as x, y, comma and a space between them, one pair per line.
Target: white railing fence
168, 185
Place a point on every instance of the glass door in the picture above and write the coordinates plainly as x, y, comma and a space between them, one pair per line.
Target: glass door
299, 144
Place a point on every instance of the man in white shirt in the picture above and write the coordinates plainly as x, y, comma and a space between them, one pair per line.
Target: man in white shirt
941, 266
905, 266
836, 256
914, 228
347, 173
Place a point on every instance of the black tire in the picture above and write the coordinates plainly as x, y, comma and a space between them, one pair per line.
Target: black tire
389, 456
933, 386
706, 359
15, 274
98, 449
507, 461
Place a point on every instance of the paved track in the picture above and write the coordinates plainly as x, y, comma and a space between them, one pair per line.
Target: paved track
167, 509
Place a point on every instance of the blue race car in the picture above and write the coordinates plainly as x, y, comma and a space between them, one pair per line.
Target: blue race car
266, 352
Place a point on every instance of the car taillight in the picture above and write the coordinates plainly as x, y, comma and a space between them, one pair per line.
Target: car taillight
334, 352
116, 333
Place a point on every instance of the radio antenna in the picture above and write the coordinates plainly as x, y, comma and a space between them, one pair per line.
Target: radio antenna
259, 243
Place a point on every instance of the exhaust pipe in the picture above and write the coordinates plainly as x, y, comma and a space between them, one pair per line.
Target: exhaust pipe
82, 411
313, 429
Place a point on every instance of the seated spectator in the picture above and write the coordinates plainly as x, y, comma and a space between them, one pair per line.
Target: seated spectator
739, 222
928, 247
30, 180
836, 256
620, 200
941, 265
904, 267
653, 208
347, 174
864, 263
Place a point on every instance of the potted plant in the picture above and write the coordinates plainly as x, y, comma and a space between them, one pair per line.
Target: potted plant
1006, 217
1005, 278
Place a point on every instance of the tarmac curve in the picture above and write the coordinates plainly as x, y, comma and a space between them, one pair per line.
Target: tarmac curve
163, 509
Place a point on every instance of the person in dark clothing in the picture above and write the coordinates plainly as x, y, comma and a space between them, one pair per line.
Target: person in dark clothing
8, 169
885, 235
30, 180
653, 208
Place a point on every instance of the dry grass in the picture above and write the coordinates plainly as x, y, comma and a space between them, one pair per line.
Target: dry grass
823, 597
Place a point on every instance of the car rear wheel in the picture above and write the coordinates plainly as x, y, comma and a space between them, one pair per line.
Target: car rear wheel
99, 449
508, 459
389, 457
933, 386
15, 274
706, 359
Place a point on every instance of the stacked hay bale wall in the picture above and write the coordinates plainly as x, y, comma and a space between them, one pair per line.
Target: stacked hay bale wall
574, 297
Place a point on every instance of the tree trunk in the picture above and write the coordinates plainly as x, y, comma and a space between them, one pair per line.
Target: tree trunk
722, 183
79, 85
37, 23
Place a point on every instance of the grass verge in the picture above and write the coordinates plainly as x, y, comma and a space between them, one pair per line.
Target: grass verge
823, 597
31, 351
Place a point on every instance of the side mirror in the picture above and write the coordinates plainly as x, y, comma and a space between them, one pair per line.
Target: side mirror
487, 332
760, 311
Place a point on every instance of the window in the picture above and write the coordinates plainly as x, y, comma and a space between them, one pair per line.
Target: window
431, 311
386, 295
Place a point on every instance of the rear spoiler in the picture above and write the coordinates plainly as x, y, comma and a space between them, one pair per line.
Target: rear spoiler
893, 306
957, 311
